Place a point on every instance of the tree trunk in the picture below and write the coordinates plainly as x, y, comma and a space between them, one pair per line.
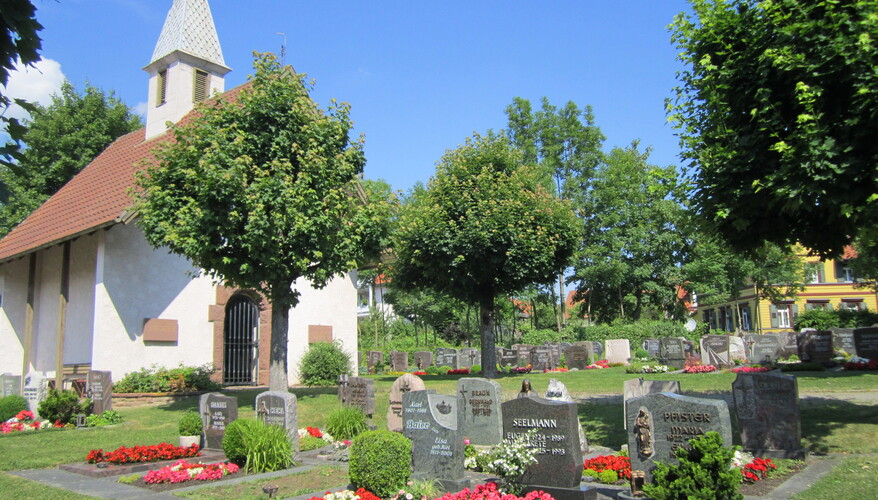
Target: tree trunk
563, 298
277, 370
489, 355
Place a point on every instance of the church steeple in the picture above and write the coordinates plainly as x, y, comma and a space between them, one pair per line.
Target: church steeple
187, 64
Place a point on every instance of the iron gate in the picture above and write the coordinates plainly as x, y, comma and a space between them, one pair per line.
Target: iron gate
241, 338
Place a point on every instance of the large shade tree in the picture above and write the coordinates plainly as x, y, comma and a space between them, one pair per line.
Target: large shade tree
777, 109
261, 191
19, 48
485, 225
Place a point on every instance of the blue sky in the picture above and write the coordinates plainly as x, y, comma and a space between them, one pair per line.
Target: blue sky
421, 76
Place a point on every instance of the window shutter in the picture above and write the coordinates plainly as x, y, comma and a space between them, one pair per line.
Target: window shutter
162, 91
199, 86
820, 277
795, 310
773, 310
839, 274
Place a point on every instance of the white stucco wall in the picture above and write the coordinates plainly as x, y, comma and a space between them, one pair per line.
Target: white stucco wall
334, 305
178, 93
135, 282
13, 294
80, 305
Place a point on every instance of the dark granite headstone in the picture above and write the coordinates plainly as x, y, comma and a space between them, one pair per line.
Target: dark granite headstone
789, 345
430, 421
423, 360
636, 387
447, 357
360, 392
816, 346
541, 359
715, 351
399, 361
672, 352
36, 388
217, 412
99, 387
11, 384
598, 348
652, 347
843, 339
374, 359
767, 407
468, 357
579, 356
660, 423
866, 342
405, 383
556, 350
281, 409
507, 357
524, 354
559, 462
479, 415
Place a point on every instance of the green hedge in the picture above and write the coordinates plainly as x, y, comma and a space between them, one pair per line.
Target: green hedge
161, 379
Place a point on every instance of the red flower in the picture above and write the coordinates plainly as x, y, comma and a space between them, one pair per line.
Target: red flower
366, 495
313, 431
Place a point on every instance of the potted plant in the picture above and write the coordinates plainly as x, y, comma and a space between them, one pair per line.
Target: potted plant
190, 429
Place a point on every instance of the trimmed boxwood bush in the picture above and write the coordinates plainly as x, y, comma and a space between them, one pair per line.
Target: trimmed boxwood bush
190, 424
323, 363
380, 462
11, 405
346, 422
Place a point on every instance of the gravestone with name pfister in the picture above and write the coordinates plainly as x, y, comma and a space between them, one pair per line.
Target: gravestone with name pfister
217, 412
715, 351
36, 388
636, 387
374, 359
579, 356
618, 351
99, 387
423, 359
405, 383
430, 421
11, 384
468, 357
557, 391
866, 342
507, 357
558, 470
360, 393
843, 338
762, 348
660, 423
672, 352
280, 408
816, 346
399, 361
479, 416
767, 407
790, 345
652, 347
447, 357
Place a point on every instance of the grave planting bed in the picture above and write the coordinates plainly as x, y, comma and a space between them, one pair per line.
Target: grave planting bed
92, 470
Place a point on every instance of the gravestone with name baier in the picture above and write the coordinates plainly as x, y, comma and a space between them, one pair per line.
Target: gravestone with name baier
866, 342
672, 352
423, 360
479, 417
816, 347
618, 351
399, 361
99, 387
660, 423
636, 387
11, 384
762, 348
405, 383
280, 409
447, 357
767, 407
217, 412
430, 421
843, 339
715, 351
36, 388
557, 391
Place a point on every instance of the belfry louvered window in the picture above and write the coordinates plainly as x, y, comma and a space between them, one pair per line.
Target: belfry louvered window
162, 90
200, 85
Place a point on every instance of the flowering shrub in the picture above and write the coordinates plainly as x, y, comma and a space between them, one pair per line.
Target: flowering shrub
508, 460
619, 464
489, 491
154, 453
366, 495
24, 421
699, 369
756, 470
858, 363
654, 369
518, 370
598, 365
751, 369
459, 371
182, 471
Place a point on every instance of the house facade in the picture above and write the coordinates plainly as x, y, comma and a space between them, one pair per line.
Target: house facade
80, 288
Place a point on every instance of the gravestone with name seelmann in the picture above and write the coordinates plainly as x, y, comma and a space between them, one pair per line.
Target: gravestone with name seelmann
843, 340
579, 355
715, 351
672, 352
557, 391
217, 412
423, 359
403, 384
281, 409
430, 421
11, 384
767, 407
636, 387
660, 423
479, 416
447, 357
618, 351
399, 361
99, 387
762, 348
866, 342
36, 388
468, 357
651, 346
816, 347
558, 470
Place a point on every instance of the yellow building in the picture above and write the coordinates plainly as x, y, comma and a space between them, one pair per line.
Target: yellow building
828, 285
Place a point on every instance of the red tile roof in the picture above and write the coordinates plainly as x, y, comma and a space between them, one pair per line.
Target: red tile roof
96, 197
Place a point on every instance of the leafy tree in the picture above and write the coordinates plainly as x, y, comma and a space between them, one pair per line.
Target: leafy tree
61, 139
634, 239
484, 226
261, 191
777, 114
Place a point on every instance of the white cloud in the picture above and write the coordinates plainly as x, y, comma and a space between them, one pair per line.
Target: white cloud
140, 110
34, 84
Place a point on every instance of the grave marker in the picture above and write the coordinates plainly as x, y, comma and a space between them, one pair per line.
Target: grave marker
866, 342
541, 359
217, 412
374, 359
579, 356
652, 346
715, 351
843, 338
672, 352
99, 387
636, 387
447, 357
762, 348
468, 357
399, 361
479, 417
36, 388
360, 392
430, 421
767, 407
280, 408
507, 357
423, 360
557, 391
618, 351
598, 348
789, 345
405, 383
816, 346
11, 384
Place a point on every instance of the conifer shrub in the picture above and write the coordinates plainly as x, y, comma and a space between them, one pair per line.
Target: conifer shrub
323, 363
704, 473
11, 405
190, 424
380, 462
61, 406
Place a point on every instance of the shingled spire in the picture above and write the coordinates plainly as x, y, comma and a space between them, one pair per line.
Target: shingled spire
187, 64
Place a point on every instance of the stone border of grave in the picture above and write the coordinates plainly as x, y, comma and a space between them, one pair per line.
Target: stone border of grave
92, 470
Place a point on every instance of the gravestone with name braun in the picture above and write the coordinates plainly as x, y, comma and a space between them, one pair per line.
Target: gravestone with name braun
430, 421
558, 470
217, 412
281, 409
423, 359
762, 348
672, 352
866, 342
557, 391
446, 356
36, 388
618, 351
399, 361
767, 407
715, 351
579, 355
405, 383
10, 384
816, 346
479, 416
660, 423
636, 387
99, 388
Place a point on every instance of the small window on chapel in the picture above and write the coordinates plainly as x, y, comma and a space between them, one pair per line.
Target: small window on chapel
200, 86
162, 91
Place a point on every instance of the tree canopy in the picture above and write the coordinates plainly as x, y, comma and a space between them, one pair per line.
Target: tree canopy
485, 225
778, 113
261, 191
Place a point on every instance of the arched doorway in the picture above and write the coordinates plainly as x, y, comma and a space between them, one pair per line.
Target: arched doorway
241, 340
